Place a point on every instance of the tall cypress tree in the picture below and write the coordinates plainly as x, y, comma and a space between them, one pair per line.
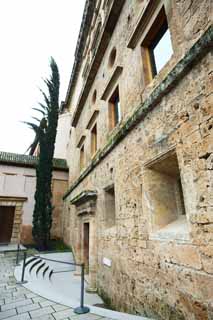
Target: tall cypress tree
45, 132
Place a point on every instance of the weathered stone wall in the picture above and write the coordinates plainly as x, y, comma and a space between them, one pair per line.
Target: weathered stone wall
165, 272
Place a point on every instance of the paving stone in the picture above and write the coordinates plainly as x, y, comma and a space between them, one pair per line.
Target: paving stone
14, 299
16, 304
28, 308
59, 307
38, 299
8, 313
6, 295
46, 317
63, 314
10, 286
23, 316
5, 290
17, 294
41, 312
30, 295
21, 290
47, 303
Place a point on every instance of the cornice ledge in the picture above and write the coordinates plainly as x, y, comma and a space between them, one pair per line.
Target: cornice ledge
117, 72
104, 40
83, 197
142, 22
13, 198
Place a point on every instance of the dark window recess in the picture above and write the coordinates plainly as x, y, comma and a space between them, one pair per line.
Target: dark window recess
82, 157
94, 140
114, 109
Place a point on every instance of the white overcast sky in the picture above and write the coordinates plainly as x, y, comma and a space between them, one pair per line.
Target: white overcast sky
30, 32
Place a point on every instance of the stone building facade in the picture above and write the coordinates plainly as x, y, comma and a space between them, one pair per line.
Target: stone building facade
17, 189
139, 209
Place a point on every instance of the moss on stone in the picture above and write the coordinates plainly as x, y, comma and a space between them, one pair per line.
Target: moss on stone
157, 309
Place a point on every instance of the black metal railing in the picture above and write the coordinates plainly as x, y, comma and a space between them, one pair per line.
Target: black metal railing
17, 254
79, 310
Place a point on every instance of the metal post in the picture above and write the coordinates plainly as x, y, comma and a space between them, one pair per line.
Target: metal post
23, 269
17, 255
82, 309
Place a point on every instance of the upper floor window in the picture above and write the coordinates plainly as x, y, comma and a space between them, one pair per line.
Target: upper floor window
112, 58
94, 140
114, 109
156, 47
82, 157
94, 97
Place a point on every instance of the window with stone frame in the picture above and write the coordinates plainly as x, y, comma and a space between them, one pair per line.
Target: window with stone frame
156, 47
94, 144
82, 158
163, 196
114, 109
110, 211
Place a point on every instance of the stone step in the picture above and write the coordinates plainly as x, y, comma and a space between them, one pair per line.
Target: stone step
30, 260
38, 261
45, 271
50, 274
40, 267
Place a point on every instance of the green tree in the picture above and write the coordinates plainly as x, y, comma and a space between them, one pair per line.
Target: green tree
45, 134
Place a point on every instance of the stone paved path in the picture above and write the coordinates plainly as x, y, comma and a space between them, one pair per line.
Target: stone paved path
18, 303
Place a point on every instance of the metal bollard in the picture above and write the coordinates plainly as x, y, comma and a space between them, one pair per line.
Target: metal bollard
17, 255
82, 309
23, 270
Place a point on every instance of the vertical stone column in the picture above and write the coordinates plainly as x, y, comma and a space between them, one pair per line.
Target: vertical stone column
17, 222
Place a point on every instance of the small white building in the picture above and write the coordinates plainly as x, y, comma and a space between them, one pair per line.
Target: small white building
17, 189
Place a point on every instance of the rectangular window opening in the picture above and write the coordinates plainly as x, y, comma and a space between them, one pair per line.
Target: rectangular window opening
114, 109
82, 155
110, 206
94, 144
164, 193
156, 47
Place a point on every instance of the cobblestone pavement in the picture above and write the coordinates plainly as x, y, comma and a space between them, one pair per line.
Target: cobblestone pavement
18, 303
